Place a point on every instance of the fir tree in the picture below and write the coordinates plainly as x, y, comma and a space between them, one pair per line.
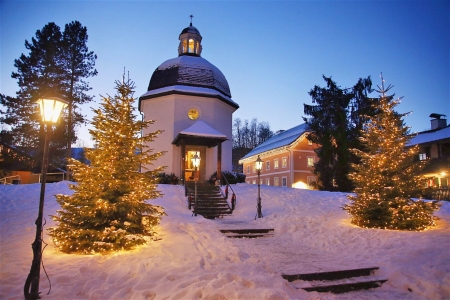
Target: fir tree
334, 125
387, 177
108, 209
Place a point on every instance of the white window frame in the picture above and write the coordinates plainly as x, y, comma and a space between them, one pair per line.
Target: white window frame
284, 162
254, 181
276, 181
267, 181
310, 180
248, 169
276, 164
268, 165
422, 156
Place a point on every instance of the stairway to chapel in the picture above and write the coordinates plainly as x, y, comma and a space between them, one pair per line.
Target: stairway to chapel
211, 203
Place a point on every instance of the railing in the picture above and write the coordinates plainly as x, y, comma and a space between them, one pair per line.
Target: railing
33, 178
233, 196
10, 180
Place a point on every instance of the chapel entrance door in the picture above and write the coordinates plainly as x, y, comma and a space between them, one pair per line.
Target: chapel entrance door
191, 173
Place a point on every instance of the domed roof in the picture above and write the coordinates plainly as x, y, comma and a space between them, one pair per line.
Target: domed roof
191, 71
191, 29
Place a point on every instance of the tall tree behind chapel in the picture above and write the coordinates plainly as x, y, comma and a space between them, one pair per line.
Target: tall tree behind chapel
335, 122
56, 65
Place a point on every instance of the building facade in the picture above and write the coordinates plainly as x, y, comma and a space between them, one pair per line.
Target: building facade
434, 147
288, 160
189, 98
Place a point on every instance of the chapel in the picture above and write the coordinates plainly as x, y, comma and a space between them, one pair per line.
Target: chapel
190, 99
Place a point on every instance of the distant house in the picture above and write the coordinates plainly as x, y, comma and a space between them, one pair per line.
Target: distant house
434, 145
288, 158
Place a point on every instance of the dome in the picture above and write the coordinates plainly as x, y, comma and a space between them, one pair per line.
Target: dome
191, 29
190, 71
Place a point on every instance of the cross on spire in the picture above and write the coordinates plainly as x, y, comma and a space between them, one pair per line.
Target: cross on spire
191, 16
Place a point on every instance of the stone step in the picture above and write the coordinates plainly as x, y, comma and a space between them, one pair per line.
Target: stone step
341, 281
248, 233
331, 275
346, 287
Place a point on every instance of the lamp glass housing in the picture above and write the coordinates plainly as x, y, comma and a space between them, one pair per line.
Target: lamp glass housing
258, 164
196, 160
50, 109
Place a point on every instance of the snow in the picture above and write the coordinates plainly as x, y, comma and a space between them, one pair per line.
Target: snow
433, 136
193, 260
190, 89
200, 128
282, 139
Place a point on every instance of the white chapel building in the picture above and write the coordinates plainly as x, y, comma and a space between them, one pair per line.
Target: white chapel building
191, 101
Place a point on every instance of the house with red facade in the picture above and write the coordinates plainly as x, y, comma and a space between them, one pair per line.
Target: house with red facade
288, 160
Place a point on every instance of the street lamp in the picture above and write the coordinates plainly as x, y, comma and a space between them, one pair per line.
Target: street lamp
50, 109
196, 163
258, 166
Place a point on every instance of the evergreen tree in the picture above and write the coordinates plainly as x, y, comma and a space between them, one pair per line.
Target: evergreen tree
387, 177
333, 123
108, 209
56, 65
78, 63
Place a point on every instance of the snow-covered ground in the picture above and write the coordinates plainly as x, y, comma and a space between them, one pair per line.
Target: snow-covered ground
193, 260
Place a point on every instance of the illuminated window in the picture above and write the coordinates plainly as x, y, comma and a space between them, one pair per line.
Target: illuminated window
284, 162
184, 46
310, 161
275, 181
422, 156
197, 48
254, 181
309, 143
191, 46
260, 181
254, 168
275, 163
268, 181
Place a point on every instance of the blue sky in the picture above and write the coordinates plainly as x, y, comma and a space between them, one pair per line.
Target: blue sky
271, 52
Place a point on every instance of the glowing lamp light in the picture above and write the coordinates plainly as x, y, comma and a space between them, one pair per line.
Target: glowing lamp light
196, 161
50, 109
258, 164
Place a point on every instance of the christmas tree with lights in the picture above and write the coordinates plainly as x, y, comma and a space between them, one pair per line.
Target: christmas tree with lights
387, 177
108, 210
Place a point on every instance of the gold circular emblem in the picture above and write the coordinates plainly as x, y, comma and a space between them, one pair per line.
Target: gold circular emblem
193, 114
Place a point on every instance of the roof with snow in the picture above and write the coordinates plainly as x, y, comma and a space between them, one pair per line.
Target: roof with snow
282, 139
191, 71
430, 136
202, 134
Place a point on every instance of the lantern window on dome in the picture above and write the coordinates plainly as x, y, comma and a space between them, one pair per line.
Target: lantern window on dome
191, 46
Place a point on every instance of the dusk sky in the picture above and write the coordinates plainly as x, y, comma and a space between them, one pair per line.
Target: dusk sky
271, 52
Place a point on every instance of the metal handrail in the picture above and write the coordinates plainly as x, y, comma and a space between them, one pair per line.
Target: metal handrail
226, 196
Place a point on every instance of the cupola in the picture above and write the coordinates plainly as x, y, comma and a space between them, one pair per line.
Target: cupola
190, 41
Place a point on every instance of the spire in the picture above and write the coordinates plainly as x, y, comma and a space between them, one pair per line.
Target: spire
190, 41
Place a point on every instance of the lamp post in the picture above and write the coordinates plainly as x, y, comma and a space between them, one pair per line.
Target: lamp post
258, 166
196, 163
50, 109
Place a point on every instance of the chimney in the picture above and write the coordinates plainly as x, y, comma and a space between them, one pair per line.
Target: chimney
437, 122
